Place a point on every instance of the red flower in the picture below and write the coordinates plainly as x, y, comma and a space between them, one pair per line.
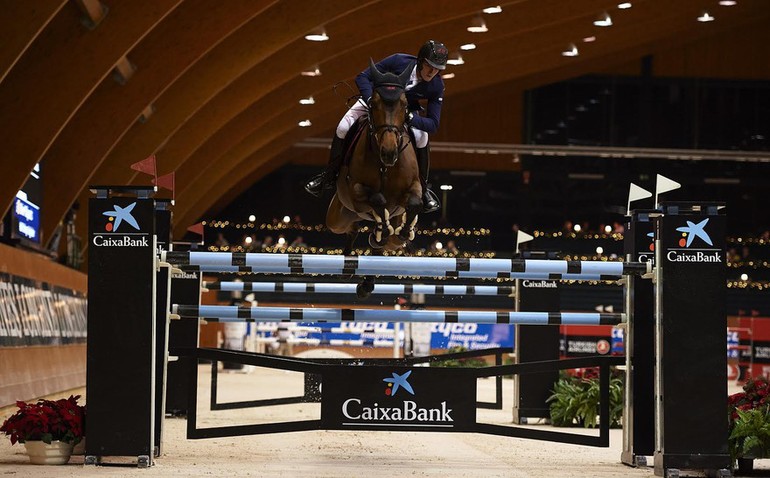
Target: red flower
47, 420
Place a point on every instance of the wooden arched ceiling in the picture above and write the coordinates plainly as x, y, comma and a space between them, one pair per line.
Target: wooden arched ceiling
212, 88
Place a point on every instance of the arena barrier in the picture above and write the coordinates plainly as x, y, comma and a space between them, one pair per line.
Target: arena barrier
312, 385
689, 322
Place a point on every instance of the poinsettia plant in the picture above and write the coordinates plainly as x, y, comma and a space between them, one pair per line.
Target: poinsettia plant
47, 420
748, 415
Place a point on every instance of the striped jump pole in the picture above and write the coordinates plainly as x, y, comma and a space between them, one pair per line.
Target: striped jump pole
230, 313
398, 266
339, 288
415, 273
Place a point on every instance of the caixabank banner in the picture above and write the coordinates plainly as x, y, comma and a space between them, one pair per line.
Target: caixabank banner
121, 326
398, 398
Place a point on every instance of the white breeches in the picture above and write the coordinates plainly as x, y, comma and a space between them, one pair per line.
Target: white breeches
358, 110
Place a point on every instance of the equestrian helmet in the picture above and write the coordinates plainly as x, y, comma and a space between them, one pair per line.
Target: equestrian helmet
434, 53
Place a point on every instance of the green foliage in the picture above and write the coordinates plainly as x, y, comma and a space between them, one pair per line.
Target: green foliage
748, 417
472, 362
575, 401
750, 436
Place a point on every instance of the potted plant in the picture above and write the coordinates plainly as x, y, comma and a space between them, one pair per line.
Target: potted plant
748, 415
49, 429
575, 399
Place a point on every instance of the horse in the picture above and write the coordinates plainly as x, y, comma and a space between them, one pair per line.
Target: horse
380, 182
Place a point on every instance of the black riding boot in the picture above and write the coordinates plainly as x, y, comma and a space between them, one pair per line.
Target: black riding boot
429, 199
326, 179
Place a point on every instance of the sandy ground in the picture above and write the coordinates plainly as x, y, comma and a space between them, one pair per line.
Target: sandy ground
341, 453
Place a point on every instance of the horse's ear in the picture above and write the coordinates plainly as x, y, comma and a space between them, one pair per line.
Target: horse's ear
377, 77
403, 78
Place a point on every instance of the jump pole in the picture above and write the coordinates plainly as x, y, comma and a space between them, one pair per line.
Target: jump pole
400, 266
344, 288
228, 313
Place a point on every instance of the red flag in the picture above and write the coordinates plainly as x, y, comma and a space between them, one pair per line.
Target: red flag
166, 182
146, 166
196, 228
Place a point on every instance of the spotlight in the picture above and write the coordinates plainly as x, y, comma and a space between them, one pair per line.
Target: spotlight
604, 20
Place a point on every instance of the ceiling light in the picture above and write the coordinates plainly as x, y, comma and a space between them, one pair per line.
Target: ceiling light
468, 46
314, 72
705, 17
624, 5
448, 76
570, 51
305, 123
727, 3
307, 101
456, 61
604, 20
589, 39
490, 10
319, 35
478, 26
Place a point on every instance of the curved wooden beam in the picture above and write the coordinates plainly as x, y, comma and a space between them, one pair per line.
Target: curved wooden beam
113, 108
240, 52
65, 57
21, 23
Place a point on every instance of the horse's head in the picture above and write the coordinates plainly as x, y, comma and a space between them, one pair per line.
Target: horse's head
388, 112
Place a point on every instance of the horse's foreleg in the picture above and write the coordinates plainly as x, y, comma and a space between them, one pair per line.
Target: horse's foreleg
352, 235
382, 227
413, 207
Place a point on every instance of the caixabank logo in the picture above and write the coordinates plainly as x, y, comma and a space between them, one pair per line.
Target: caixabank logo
692, 241
118, 225
405, 412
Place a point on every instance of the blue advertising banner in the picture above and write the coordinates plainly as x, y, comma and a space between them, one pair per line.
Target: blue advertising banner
443, 335
471, 336
26, 218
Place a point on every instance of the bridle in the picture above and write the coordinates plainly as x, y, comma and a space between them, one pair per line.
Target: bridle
376, 131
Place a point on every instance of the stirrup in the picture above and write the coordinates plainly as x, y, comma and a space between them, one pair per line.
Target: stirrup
316, 185
430, 202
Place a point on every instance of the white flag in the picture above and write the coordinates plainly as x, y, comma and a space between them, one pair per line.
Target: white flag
522, 237
636, 193
664, 185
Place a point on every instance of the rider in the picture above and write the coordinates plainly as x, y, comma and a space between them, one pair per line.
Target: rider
425, 83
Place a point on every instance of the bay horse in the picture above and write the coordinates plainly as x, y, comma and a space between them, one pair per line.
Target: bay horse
381, 181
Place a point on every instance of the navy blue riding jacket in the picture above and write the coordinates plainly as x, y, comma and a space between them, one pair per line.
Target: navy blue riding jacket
433, 91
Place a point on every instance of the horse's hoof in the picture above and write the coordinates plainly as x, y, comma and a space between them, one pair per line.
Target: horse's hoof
377, 244
361, 291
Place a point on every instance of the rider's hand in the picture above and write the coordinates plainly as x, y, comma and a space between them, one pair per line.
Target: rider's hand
409, 117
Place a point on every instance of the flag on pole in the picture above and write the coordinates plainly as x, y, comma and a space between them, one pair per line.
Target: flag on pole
664, 185
146, 166
166, 182
521, 238
636, 193
196, 228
